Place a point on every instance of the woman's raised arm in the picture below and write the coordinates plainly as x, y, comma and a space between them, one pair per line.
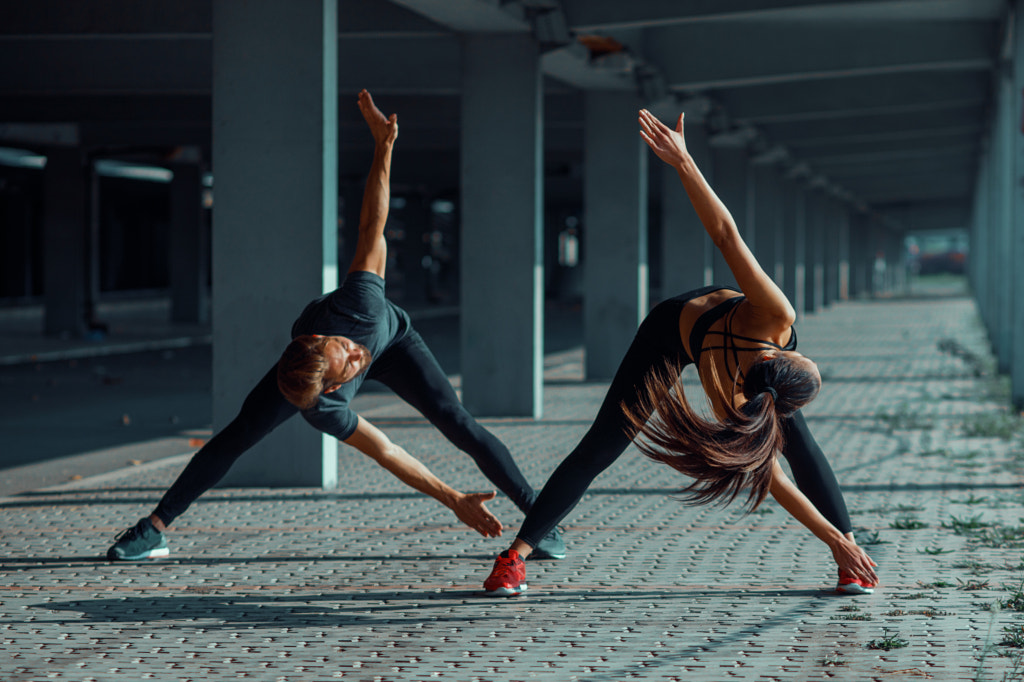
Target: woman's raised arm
670, 146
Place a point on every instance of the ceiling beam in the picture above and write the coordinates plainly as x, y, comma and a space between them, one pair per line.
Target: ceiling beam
605, 15
706, 57
855, 95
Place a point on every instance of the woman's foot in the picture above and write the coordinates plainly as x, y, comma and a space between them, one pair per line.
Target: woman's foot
851, 585
508, 577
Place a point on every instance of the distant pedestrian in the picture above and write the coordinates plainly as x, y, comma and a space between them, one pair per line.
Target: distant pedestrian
744, 348
339, 340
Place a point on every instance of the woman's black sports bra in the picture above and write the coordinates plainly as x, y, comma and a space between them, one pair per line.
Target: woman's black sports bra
727, 309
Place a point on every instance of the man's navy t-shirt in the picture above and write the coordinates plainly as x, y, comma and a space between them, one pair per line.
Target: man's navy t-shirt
358, 311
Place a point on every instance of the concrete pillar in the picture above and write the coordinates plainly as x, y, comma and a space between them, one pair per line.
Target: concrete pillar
275, 123
502, 257
794, 254
686, 248
64, 243
1016, 208
844, 251
815, 256
766, 204
1002, 201
861, 254
188, 246
830, 251
614, 229
732, 181
978, 265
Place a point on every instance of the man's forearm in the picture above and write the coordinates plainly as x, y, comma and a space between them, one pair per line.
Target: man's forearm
377, 196
416, 475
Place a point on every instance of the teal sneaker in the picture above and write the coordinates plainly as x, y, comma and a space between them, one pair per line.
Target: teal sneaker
551, 546
141, 541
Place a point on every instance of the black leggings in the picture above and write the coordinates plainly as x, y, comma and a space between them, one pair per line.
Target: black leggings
656, 341
411, 371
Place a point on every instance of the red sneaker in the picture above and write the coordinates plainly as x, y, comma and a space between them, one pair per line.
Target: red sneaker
851, 585
508, 577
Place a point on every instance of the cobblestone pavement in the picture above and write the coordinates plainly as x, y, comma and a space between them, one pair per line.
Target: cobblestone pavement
375, 582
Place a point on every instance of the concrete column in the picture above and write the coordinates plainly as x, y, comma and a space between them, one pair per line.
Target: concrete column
502, 255
686, 247
794, 254
1003, 199
978, 265
614, 230
815, 259
861, 254
64, 243
732, 182
844, 251
188, 246
830, 251
275, 123
766, 204
1016, 208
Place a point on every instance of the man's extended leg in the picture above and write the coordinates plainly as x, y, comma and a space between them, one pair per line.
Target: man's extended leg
412, 372
263, 411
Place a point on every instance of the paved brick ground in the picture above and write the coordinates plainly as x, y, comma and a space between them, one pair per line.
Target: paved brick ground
375, 582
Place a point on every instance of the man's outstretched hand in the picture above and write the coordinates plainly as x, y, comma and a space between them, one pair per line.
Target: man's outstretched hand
384, 129
472, 511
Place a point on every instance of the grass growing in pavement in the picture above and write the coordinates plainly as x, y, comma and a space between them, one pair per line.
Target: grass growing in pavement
963, 526
933, 551
971, 500
1016, 600
971, 585
1004, 425
907, 523
888, 642
904, 417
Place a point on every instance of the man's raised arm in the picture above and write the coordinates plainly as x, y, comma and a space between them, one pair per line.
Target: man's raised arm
371, 248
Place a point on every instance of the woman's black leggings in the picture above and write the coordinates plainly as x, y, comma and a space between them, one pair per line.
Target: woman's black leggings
656, 342
411, 371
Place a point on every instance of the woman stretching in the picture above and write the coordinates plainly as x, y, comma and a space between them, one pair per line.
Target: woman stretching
743, 345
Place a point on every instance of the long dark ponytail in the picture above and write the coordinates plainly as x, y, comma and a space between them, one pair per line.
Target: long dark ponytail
723, 457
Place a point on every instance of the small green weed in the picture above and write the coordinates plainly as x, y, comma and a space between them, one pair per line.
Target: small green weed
1013, 636
903, 417
974, 566
866, 538
934, 551
1016, 600
971, 585
833, 660
853, 616
937, 585
888, 642
931, 613
971, 500
907, 523
999, 537
1004, 425
963, 526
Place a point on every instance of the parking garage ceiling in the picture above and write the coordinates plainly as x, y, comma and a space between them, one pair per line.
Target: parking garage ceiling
886, 102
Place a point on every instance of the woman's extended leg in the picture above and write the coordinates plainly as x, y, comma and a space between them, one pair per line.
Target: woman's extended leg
657, 342
812, 473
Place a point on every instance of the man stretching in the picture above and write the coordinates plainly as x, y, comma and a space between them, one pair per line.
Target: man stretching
340, 340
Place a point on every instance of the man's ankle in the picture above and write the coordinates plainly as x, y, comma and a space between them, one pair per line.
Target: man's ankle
157, 522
